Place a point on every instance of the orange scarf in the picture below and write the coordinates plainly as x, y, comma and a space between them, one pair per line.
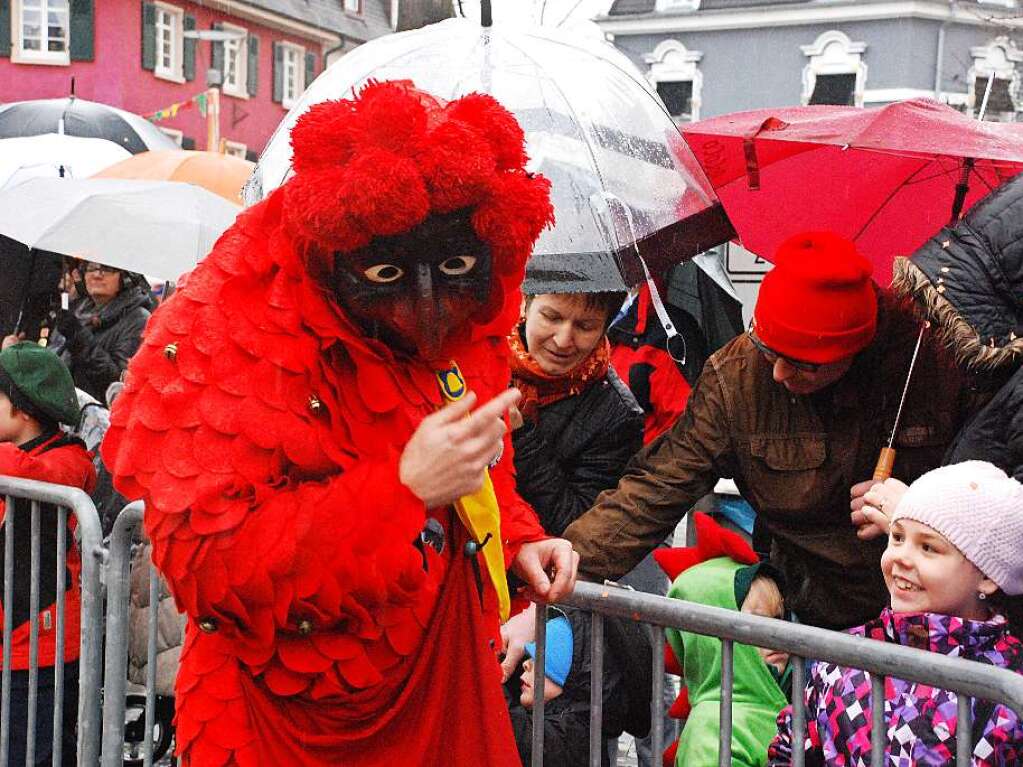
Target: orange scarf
540, 389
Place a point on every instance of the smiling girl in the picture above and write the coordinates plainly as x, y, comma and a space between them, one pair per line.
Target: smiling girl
955, 550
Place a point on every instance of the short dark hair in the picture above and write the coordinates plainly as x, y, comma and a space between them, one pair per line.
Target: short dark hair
609, 302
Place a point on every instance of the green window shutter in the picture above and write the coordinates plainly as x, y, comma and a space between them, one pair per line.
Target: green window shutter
148, 36
252, 155
217, 53
5, 27
252, 66
187, 142
189, 64
310, 68
81, 31
278, 94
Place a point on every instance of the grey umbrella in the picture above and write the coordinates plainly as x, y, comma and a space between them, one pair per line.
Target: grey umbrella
78, 117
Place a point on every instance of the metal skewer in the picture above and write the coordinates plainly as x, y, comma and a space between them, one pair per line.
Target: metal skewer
886, 460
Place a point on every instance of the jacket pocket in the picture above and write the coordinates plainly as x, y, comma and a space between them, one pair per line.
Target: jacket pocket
785, 471
791, 452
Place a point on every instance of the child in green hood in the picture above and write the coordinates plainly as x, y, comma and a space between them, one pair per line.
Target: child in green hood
722, 571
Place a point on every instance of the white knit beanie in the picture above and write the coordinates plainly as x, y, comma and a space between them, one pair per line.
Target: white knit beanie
979, 509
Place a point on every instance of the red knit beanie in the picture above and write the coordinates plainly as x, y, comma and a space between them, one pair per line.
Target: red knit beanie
818, 303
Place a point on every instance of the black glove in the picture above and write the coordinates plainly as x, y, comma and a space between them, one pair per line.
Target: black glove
68, 325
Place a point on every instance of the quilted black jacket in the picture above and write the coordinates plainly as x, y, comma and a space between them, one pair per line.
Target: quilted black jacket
969, 281
575, 449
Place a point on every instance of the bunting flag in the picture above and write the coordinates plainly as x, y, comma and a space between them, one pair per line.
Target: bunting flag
200, 100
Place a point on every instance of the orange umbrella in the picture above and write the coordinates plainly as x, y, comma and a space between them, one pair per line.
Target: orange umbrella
219, 173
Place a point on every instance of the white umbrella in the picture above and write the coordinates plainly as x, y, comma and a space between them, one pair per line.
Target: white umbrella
52, 154
159, 228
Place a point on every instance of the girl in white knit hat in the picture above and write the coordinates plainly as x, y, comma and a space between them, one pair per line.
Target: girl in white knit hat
955, 550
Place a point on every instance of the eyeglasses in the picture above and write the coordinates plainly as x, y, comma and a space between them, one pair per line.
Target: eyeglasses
100, 269
772, 356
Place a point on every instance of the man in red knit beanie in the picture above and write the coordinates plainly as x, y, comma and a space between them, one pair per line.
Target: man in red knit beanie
795, 411
816, 310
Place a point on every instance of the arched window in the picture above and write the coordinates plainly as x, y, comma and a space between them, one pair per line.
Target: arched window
675, 73
997, 60
835, 72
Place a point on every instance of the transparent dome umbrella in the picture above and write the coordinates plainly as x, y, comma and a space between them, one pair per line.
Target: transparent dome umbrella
621, 174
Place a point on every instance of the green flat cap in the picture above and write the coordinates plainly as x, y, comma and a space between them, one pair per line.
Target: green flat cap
41, 378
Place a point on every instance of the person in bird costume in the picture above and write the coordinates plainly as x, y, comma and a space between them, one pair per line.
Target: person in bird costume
330, 511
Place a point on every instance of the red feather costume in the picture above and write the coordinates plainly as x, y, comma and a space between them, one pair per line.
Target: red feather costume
263, 429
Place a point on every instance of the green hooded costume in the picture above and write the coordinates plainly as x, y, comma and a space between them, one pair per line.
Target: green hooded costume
757, 697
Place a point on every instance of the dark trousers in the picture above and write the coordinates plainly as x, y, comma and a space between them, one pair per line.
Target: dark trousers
44, 717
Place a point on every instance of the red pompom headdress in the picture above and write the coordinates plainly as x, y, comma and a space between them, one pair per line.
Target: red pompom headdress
380, 163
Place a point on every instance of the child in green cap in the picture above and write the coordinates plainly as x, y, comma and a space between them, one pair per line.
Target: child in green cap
36, 396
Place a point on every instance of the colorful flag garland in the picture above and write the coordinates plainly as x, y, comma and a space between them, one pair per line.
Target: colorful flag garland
200, 100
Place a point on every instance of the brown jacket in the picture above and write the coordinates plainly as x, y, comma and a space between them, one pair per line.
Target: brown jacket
794, 459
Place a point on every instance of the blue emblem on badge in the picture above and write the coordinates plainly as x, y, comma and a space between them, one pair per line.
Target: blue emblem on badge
452, 385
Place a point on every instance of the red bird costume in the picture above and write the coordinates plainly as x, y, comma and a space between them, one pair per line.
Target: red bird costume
262, 422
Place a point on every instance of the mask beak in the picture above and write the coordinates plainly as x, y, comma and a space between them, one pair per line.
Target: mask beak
427, 316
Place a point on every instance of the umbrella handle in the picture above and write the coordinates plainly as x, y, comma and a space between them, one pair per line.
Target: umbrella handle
885, 464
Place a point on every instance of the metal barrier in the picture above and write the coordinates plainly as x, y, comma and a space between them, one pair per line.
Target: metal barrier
116, 662
89, 680
880, 659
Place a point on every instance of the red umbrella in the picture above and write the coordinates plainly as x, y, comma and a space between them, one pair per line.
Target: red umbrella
888, 178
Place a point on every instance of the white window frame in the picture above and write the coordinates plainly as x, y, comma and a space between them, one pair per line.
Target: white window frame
998, 59
672, 62
173, 134
357, 11
235, 148
176, 17
19, 55
239, 87
833, 53
289, 99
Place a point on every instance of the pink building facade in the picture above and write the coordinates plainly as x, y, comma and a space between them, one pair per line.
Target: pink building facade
135, 55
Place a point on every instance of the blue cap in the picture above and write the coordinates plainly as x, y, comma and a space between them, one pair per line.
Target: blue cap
558, 661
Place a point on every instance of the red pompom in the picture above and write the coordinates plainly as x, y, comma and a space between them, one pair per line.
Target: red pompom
457, 166
513, 216
384, 192
671, 664
680, 708
323, 136
314, 212
504, 134
393, 116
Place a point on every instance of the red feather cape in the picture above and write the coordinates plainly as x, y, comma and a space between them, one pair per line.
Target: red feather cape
263, 431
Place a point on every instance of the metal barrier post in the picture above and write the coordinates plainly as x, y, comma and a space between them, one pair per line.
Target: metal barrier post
33, 639
5, 724
725, 716
596, 688
91, 538
540, 668
116, 665
798, 711
657, 645
878, 728
154, 621
964, 734
58, 666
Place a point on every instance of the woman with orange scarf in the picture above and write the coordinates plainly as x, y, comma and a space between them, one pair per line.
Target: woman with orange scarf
579, 423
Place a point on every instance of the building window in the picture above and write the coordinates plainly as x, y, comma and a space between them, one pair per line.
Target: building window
235, 149
235, 62
678, 98
675, 73
353, 6
169, 42
834, 89
999, 60
41, 31
293, 76
835, 72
